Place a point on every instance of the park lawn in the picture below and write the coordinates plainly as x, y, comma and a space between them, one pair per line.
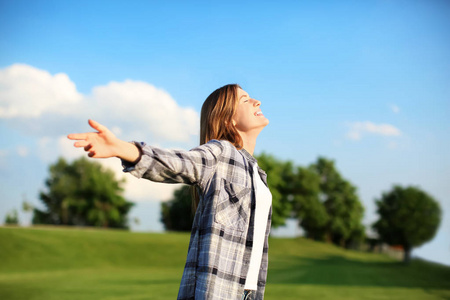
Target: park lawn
72, 263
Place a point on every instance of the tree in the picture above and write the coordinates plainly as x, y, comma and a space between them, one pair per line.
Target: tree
408, 217
345, 211
83, 194
307, 206
12, 218
327, 205
176, 214
27, 206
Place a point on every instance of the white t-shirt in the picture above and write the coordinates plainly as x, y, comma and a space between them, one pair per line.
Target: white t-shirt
263, 203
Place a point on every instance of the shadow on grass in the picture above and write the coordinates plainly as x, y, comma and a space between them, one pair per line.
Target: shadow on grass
340, 271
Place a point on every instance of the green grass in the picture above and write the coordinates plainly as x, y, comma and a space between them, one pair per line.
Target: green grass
69, 263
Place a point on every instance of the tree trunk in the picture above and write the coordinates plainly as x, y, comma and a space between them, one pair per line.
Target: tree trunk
328, 238
407, 254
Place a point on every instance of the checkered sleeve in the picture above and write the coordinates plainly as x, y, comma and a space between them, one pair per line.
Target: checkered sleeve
195, 166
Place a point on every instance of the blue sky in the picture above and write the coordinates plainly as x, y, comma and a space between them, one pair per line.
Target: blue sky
366, 83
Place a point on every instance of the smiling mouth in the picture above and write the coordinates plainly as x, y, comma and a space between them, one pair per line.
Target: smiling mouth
258, 113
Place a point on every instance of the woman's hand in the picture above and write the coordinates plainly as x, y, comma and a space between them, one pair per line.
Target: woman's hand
104, 144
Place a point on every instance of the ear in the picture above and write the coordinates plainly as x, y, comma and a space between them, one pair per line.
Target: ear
232, 122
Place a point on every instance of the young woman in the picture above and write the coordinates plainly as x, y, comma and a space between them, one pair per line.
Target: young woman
227, 255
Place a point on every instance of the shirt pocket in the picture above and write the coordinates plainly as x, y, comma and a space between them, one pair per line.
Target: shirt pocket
233, 206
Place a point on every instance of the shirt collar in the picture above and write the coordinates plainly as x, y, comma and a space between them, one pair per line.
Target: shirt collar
252, 159
248, 156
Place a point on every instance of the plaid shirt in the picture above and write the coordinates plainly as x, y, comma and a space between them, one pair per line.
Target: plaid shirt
222, 233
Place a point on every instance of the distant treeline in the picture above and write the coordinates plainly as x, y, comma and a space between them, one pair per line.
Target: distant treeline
326, 204
328, 207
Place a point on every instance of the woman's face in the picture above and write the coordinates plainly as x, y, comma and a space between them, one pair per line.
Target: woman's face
248, 116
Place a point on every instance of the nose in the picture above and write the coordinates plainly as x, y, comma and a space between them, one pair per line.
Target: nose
256, 102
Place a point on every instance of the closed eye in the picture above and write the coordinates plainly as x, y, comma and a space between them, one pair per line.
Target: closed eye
246, 97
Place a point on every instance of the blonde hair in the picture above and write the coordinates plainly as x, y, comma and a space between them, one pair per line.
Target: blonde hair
216, 122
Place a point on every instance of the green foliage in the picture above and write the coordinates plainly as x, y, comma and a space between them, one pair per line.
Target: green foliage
176, 214
83, 194
408, 217
311, 212
12, 218
27, 207
326, 205
344, 209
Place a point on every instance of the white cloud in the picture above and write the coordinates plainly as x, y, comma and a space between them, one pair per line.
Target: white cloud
394, 108
140, 105
67, 149
50, 107
22, 151
38, 103
359, 129
28, 92
116, 130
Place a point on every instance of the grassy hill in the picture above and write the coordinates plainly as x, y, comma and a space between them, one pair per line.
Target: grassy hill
68, 263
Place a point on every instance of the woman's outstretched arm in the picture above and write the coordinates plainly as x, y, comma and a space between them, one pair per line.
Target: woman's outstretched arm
170, 166
103, 144
195, 166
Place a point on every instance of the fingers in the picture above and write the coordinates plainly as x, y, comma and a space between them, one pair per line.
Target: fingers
77, 136
85, 144
81, 144
87, 147
97, 126
83, 136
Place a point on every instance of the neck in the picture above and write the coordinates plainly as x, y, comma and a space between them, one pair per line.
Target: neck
249, 141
